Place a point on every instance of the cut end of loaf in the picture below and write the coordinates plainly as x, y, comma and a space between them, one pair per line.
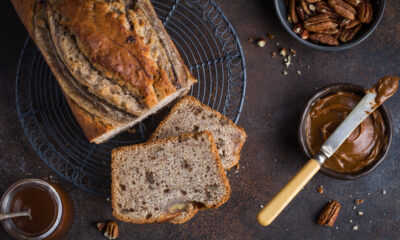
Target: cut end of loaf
157, 181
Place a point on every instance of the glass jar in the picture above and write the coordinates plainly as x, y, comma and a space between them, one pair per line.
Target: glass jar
50, 207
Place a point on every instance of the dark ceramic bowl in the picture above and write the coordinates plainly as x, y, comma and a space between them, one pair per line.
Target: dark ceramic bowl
331, 89
366, 30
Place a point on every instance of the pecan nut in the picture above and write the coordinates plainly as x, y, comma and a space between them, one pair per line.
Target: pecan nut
300, 13
304, 6
353, 3
323, 7
109, 229
299, 30
349, 33
319, 23
328, 216
313, 1
364, 12
292, 11
346, 23
324, 38
343, 9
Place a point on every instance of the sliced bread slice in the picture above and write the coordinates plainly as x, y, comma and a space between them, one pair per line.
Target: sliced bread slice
158, 181
189, 115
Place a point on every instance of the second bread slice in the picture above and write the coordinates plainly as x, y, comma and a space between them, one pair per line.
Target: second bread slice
189, 115
158, 181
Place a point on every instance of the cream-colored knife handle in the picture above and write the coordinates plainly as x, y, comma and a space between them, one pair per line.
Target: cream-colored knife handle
286, 194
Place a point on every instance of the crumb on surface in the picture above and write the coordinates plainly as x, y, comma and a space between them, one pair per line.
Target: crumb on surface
298, 72
355, 227
320, 189
359, 201
383, 191
361, 213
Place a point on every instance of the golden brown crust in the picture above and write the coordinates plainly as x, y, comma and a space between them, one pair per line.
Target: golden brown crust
193, 99
190, 215
162, 141
91, 126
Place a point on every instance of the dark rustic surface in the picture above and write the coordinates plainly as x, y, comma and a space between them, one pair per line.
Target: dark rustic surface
271, 155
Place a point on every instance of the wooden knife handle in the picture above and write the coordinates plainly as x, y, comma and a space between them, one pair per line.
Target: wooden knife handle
287, 193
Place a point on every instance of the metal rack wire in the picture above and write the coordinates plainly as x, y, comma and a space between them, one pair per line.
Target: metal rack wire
207, 43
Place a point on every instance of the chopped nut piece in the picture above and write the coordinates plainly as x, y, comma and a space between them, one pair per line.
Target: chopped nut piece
360, 213
270, 36
293, 52
261, 42
358, 201
298, 72
355, 228
320, 189
350, 221
284, 73
288, 62
384, 192
283, 52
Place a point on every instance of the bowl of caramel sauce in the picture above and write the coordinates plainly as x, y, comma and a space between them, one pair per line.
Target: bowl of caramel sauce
365, 148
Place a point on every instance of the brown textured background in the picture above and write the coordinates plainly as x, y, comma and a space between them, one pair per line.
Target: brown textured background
270, 156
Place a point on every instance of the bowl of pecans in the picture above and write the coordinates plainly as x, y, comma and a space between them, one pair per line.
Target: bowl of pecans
330, 25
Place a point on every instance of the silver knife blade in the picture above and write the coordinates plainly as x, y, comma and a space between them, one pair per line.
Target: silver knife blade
364, 108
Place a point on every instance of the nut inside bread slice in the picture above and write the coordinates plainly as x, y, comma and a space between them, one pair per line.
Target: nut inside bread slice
189, 115
158, 181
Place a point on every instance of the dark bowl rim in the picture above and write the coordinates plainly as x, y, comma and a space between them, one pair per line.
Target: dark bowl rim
343, 46
358, 90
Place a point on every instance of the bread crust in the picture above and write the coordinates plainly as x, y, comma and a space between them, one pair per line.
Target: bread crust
193, 99
32, 14
166, 217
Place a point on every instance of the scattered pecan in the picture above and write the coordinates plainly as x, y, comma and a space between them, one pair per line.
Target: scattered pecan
353, 3
349, 33
109, 229
324, 38
292, 11
328, 216
300, 13
364, 12
319, 23
343, 9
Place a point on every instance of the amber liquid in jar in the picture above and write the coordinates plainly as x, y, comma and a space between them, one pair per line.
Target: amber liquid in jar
42, 207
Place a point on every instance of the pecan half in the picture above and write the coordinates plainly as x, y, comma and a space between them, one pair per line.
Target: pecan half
336, 35
324, 38
319, 23
292, 11
349, 33
346, 23
343, 9
300, 13
364, 12
304, 6
353, 3
323, 7
330, 31
328, 216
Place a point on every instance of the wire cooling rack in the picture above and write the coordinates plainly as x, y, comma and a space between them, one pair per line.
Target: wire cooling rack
207, 43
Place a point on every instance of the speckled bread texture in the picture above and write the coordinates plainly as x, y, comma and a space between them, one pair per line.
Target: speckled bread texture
158, 181
114, 60
189, 115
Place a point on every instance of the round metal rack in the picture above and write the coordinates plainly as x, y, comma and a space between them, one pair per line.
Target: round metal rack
207, 43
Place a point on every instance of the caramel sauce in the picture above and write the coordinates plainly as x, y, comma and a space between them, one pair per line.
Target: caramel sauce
364, 144
43, 210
